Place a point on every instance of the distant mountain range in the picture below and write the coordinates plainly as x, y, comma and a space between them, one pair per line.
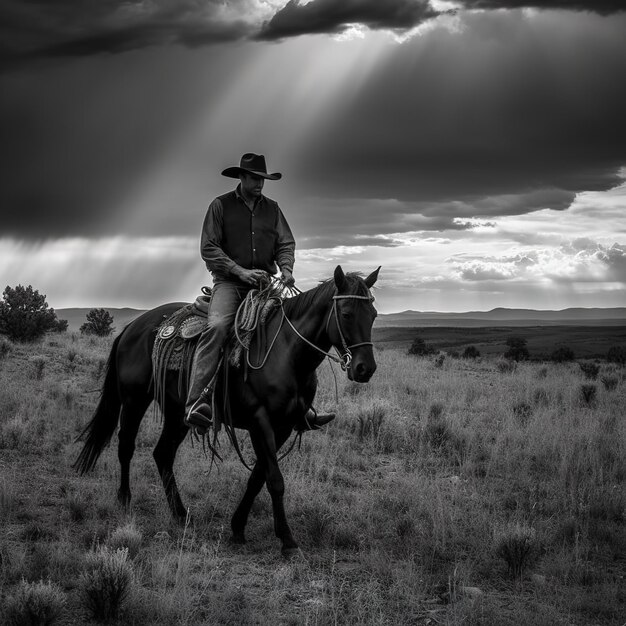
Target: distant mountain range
508, 317
496, 317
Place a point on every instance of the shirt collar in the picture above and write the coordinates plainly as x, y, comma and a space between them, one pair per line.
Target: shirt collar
239, 195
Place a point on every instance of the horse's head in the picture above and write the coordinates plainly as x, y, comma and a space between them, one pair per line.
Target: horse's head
350, 325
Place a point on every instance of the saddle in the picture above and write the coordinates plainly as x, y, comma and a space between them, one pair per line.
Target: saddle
175, 343
176, 339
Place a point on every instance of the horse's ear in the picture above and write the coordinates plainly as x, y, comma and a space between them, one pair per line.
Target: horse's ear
340, 279
372, 278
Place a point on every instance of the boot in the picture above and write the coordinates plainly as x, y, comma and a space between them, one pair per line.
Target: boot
312, 420
200, 416
199, 407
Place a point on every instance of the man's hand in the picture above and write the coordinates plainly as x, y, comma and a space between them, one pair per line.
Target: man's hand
252, 277
287, 278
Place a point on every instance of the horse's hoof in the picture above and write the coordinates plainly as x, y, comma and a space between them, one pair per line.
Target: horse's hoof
123, 497
292, 553
183, 518
238, 539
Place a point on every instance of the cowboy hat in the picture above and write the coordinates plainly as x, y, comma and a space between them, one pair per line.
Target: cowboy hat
251, 164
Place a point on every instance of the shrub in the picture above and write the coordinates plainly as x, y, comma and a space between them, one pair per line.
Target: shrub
471, 352
24, 314
61, 326
40, 365
562, 354
517, 349
99, 322
617, 354
540, 397
506, 367
587, 394
5, 348
36, 604
420, 348
609, 382
516, 545
436, 410
107, 583
522, 410
590, 370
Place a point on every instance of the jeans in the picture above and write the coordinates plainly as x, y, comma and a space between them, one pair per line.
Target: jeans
226, 298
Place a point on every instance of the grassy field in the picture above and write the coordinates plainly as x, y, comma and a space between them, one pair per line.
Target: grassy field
447, 491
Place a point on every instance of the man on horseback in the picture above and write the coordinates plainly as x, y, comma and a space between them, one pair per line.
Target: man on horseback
244, 237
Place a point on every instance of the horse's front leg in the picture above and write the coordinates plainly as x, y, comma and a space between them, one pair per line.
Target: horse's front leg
265, 446
240, 517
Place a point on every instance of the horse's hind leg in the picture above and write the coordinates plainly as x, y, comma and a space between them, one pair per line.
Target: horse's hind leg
130, 417
174, 431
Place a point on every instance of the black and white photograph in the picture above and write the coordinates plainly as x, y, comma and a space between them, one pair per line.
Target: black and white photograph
313, 312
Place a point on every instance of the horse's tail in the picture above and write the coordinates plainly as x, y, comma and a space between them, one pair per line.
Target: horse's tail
100, 429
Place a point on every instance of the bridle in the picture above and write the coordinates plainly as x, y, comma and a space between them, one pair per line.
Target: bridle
346, 357
343, 358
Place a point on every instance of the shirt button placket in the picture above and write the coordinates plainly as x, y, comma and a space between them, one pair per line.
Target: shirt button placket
252, 239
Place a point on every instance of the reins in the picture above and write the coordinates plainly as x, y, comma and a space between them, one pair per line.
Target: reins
270, 292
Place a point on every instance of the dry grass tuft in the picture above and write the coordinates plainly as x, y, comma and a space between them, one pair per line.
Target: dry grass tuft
127, 536
35, 604
107, 583
371, 420
610, 382
516, 544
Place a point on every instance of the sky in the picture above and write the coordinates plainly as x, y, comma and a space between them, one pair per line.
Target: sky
476, 150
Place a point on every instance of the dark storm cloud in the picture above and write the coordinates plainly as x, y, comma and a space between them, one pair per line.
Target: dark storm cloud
529, 111
602, 7
332, 17
39, 28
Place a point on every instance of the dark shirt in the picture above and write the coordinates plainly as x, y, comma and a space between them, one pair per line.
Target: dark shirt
257, 238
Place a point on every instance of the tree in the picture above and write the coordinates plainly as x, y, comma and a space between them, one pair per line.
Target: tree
24, 314
420, 348
471, 352
99, 322
517, 349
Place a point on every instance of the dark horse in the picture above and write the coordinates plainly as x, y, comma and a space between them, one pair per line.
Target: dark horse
267, 402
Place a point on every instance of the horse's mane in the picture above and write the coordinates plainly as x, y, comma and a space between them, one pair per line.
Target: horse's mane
303, 302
